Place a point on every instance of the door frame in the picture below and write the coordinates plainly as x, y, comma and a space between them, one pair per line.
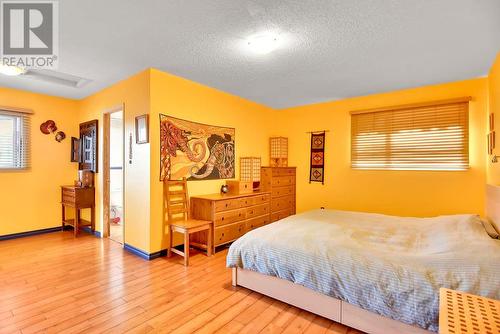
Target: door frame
106, 169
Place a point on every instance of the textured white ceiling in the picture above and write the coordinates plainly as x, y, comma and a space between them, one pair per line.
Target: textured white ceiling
330, 49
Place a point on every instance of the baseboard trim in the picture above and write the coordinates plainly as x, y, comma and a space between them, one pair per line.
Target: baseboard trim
43, 231
142, 254
89, 230
30, 233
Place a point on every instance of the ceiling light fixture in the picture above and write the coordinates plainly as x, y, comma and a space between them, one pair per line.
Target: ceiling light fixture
263, 43
11, 70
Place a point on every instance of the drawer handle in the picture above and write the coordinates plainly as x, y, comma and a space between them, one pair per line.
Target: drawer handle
251, 212
227, 204
239, 215
222, 219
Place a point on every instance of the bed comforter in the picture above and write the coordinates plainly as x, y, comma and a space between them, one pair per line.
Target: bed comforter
392, 266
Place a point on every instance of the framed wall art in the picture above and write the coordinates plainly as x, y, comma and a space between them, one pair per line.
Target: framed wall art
195, 151
142, 129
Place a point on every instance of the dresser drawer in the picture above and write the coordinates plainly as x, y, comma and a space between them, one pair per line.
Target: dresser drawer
257, 222
229, 233
281, 181
281, 214
283, 191
283, 171
228, 204
246, 201
228, 217
69, 192
77, 197
282, 203
261, 199
68, 199
257, 210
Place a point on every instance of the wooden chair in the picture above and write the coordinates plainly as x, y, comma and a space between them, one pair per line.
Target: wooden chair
177, 213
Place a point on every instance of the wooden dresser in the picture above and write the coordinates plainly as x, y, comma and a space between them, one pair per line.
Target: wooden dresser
232, 215
78, 198
280, 181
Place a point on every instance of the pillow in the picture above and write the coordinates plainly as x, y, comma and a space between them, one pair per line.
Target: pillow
490, 229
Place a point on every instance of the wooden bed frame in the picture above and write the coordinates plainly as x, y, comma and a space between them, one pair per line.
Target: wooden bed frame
335, 309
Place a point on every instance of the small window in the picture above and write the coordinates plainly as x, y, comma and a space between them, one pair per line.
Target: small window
14, 140
419, 137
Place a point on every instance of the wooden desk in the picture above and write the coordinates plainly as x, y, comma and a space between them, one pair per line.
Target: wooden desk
461, 312
78, 198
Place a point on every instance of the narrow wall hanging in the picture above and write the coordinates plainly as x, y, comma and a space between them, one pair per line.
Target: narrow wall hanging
195, 151
317, 168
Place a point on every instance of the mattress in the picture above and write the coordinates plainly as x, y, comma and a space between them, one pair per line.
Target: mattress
392, 266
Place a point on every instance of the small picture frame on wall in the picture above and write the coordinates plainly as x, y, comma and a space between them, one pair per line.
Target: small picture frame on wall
75, 149
142, 129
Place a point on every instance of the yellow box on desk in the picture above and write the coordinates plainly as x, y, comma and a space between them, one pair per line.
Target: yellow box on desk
240, 187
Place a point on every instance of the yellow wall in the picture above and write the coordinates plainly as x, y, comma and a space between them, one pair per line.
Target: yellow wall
178, 97
419, 193
29, 200
133, 94
416, 193
494, 107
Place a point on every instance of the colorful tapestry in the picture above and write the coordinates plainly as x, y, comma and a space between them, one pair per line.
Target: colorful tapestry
317, 169
195, 151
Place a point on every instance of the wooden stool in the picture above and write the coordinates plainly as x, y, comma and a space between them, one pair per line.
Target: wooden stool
177, 212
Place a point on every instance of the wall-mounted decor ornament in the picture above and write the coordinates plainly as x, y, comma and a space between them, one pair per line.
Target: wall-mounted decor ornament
195, 151
48, 127
317, 168
60, 136
278, 152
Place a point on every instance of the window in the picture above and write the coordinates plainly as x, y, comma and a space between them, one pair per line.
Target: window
419, 137
14, 140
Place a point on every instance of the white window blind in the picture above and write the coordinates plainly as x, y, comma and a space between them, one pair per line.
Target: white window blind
14, 140
420, 137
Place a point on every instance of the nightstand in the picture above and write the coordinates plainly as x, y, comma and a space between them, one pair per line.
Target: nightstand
78, 198
461, 312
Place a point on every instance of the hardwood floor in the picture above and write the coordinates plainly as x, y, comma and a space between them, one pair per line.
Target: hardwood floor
54, 283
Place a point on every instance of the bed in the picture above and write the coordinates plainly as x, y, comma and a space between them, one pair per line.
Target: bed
375, 273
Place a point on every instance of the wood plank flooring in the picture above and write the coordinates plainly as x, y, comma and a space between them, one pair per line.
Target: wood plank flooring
54, 283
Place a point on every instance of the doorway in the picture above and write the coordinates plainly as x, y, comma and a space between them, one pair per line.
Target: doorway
114, 175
